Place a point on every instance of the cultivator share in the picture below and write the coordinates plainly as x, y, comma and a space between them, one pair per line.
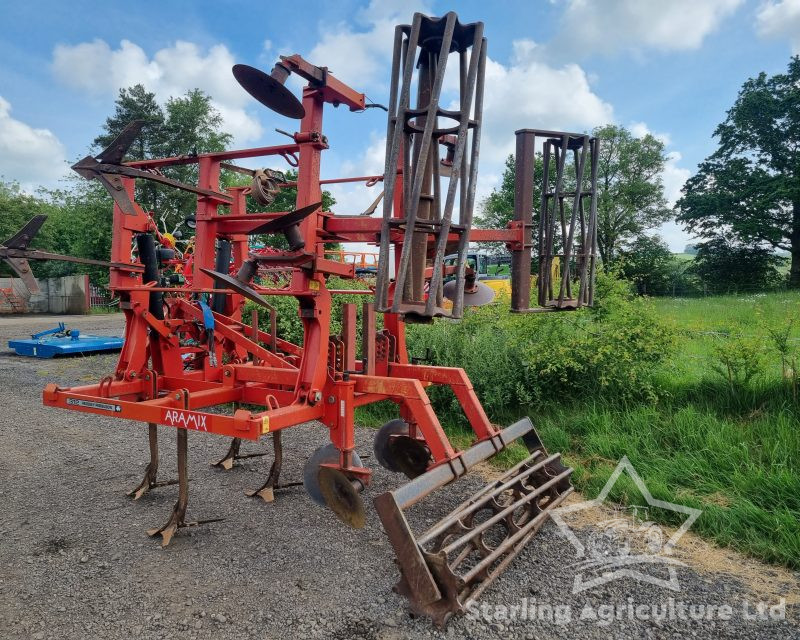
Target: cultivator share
190, 355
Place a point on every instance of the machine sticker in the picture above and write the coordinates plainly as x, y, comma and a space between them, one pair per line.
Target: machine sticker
185, 419
105, 406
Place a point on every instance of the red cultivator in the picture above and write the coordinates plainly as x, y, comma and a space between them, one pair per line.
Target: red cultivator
182, 356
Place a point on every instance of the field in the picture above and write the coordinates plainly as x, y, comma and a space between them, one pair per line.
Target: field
715, 423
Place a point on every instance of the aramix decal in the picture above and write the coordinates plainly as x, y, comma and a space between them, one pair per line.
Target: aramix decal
185, 419
91, 404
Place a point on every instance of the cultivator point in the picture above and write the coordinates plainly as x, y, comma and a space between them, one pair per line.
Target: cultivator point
193, 362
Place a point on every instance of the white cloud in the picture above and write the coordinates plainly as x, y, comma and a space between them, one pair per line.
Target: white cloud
530, 93
354, 197
675, 237
361, 57
674, 177
32, 157
640, 130
780, 19
617, 25
96, 68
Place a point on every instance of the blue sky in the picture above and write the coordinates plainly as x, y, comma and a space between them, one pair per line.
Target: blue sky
671, 67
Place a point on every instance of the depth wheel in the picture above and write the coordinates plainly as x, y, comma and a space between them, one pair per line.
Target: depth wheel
327, 454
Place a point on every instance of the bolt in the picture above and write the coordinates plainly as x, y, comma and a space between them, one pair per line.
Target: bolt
132, 375
331, 399
177, 396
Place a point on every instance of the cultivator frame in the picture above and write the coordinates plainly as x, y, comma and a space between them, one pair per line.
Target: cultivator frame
185, 361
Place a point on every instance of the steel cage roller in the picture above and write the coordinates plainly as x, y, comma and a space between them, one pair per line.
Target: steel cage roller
413, 136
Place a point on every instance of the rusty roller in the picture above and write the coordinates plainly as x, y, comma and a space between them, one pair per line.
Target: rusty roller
456, 559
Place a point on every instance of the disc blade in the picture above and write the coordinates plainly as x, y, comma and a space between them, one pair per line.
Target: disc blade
287, 220
268, 91
341, 497
380, 446
409, 455
240, 288
482, 295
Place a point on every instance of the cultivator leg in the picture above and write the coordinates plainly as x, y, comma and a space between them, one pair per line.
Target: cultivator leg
460, 556
178, 518
267, 490
151, 471
232, 455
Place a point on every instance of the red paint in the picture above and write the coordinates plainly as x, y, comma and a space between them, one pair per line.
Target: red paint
164, 374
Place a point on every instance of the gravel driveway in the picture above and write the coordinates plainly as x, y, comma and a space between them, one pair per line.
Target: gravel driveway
75, 561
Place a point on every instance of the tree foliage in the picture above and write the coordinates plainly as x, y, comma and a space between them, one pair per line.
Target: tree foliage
750, 186
630, 187
80, 217
629, 182
185, 125
725, 264
647, 262
16, 209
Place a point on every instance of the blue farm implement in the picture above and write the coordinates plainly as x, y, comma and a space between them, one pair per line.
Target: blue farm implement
60, 341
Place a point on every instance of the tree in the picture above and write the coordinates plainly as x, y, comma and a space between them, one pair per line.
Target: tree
726, 264
629, 183
80, 222
136, 103
16, 209
647, 262
186, 125
750, 186
497, 209
630, 196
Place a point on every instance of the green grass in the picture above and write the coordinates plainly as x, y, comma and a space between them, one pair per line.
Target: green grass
732, 450
727, 444
741, 470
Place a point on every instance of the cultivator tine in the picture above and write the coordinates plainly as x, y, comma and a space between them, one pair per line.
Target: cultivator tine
459, 557
267, 490
178, 518
230, 458
149, 481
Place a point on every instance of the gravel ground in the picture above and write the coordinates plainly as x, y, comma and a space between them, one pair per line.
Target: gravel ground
75, 561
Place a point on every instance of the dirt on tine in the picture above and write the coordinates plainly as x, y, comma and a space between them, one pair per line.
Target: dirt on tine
75, 560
